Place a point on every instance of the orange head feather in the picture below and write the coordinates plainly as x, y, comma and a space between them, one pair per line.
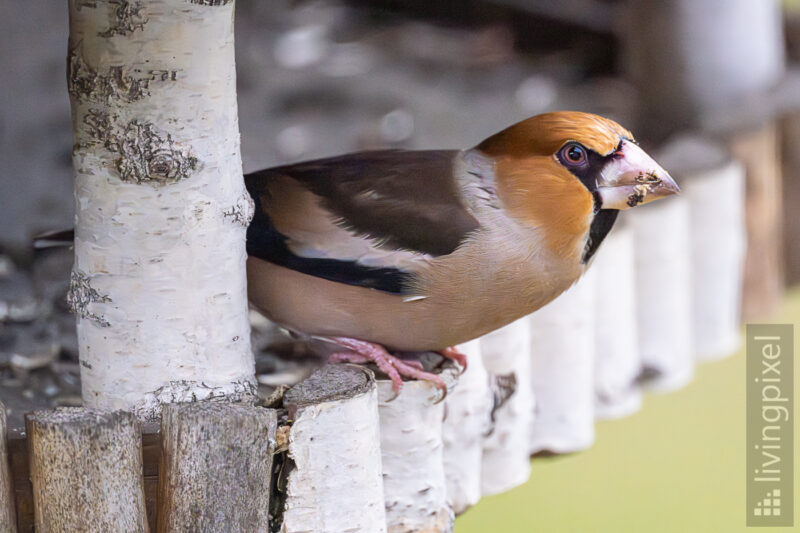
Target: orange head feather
534, 185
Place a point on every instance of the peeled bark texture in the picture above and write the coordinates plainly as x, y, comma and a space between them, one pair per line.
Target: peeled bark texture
465, 424
158, 282
334, 442
713, 185
663, 292
791, 187
414, 483
617, 363
216, 467
8, 522
86, 470
506, 448
684, 67
562, 370
759, 152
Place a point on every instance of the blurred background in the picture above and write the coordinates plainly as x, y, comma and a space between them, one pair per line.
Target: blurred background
704, 84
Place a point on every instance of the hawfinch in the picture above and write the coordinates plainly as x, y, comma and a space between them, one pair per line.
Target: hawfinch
422, 250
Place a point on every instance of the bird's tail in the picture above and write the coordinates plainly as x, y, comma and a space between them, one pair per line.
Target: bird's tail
54, 239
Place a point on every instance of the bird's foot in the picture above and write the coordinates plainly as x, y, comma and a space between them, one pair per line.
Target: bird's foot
361, 352
453, 354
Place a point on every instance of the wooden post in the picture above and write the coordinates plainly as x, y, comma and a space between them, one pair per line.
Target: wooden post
8, 521
663, 297
411, 450
158, 282
759, 151
216, 467
617, 360
790, 154
562, 371
465, 424
334, 443
713, 185
86, 470
506, 448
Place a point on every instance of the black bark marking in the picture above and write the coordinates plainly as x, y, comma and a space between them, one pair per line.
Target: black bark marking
211, 2
81, 294
126, 18
147, 154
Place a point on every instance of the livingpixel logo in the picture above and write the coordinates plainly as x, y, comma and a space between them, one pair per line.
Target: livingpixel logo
770, 425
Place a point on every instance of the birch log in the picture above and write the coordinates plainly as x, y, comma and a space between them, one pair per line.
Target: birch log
216, 468
663, 298
8, 522
86, 471
713, 185
562, 371
158, 282
617, 361
414, 483
334, 443
465, 423
506, 448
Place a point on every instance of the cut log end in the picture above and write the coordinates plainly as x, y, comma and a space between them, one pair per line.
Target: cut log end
329, 384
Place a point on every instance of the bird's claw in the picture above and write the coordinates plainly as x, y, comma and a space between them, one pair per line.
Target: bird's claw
453, 354
361, 352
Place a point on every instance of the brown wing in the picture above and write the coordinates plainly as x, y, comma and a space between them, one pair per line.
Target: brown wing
361, 218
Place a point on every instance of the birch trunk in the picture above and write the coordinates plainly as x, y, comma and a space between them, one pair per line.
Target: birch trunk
663, 297
617, 361
334, 442
562, 370
161, 210
414, 483
506, 449
713, 185
465, 423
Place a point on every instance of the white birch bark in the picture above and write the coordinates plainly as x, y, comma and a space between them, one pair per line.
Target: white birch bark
414, 483
334, 441
465, 423
713, 185
506, 449
158, 282
663, 297
617, 362
562, 370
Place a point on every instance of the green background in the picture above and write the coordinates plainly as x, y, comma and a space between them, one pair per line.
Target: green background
678, 465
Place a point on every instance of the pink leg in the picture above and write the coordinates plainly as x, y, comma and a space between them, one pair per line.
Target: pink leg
394, 367
453, 353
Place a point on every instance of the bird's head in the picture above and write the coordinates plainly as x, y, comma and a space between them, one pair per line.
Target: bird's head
559, 170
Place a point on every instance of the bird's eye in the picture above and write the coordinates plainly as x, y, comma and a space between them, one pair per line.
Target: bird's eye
573, 154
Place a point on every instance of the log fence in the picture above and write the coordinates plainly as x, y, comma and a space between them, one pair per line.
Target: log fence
338, 453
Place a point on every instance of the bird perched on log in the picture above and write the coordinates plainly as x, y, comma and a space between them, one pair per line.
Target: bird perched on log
410, 251
399, 251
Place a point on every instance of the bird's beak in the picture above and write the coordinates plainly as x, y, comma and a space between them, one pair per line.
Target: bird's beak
632, 178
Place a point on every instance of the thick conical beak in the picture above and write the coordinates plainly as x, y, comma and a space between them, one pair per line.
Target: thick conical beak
632, 178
